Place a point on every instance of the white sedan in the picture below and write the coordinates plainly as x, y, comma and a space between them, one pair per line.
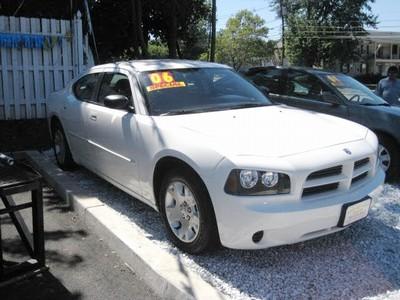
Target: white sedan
213, 155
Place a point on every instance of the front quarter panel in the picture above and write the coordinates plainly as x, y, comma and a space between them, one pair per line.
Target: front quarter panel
162, 141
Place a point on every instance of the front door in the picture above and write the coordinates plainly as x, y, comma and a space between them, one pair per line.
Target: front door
112, 134
304, 90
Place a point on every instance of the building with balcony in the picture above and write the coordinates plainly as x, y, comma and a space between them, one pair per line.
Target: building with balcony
378, 51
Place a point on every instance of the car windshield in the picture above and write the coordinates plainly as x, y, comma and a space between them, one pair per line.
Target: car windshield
353, 90
181, 91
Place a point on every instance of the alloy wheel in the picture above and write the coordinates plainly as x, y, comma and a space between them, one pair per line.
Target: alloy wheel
182, 211
384, 158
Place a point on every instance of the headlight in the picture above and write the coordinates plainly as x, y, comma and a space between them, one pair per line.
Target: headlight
270, 179
248, 178
257, 183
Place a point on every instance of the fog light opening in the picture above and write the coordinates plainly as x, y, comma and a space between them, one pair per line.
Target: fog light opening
257, 237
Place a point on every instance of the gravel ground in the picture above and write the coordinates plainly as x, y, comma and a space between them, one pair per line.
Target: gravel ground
360, 262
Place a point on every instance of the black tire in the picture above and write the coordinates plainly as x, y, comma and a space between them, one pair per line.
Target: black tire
63, 156
393, 172
207, 237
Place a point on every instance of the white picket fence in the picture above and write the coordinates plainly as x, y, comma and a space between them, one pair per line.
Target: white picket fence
28, 76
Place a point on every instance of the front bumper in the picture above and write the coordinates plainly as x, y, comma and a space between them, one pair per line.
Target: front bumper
286, 222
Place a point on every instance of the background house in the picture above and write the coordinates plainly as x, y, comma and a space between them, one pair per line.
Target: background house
377, 51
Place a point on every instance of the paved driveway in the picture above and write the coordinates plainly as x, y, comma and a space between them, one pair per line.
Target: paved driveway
81, 265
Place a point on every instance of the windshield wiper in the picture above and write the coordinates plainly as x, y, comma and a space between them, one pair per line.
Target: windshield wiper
375, 104
177, 112
215, 108
247, 105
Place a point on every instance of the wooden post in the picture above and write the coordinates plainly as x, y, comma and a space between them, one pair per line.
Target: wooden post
283, 31
213, 30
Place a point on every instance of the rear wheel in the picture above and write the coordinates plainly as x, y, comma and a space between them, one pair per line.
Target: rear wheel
61, 148
187, 212
388, 155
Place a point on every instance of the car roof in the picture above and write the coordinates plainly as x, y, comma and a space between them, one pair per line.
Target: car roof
145, 65
306, 69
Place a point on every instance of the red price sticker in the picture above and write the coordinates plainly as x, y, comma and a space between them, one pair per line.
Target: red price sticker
163, 80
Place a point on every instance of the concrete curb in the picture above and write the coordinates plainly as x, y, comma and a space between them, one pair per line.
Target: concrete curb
163, 272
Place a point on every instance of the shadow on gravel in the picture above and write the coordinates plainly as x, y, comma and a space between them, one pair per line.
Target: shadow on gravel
358, 262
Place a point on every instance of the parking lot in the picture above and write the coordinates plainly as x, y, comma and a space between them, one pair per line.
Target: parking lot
360, 262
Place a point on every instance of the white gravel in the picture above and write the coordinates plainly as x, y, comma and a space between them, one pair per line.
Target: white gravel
360, 262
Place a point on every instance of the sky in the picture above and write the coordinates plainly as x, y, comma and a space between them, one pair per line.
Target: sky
388, 12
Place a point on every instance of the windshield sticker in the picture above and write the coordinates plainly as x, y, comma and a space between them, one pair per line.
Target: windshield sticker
163, 80
334, 80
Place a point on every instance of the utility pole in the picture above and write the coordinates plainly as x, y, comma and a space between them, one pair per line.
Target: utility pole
283, 31
213, 29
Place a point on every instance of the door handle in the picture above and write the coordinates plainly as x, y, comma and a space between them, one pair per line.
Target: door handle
93, 117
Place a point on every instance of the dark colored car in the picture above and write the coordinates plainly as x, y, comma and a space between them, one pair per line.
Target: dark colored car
335, 94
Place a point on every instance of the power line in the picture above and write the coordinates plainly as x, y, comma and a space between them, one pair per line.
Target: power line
338, 37
333, 26
18, 8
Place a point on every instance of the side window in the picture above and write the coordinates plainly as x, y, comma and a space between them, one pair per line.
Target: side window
114, 84
304, 85
270, 79
85, 87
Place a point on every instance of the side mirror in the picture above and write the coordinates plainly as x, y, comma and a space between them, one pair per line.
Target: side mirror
331, 98
263, 90
116, 101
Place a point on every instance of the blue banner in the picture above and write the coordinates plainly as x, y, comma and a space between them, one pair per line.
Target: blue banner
18, 40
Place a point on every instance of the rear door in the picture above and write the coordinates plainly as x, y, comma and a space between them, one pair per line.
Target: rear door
112, 133
74, 114
305, 90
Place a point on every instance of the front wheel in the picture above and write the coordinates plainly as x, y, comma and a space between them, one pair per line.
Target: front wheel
187, 212
389, 159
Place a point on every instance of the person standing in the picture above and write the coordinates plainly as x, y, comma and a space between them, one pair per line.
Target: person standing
389, 87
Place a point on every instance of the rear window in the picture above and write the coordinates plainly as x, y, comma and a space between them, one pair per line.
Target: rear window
85, 87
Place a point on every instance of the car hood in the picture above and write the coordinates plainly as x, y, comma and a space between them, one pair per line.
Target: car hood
391, 110
274, 131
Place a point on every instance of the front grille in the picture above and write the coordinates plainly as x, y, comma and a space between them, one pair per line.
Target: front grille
320, 189
326, 173
359, 177
360, 163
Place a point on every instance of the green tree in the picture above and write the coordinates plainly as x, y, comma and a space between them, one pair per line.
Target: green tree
195, 40
177, 23
324, 32
124, 28
157, 49
59, 9
243, 41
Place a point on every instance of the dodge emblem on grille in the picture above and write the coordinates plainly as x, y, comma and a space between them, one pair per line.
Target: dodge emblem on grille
347, 151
